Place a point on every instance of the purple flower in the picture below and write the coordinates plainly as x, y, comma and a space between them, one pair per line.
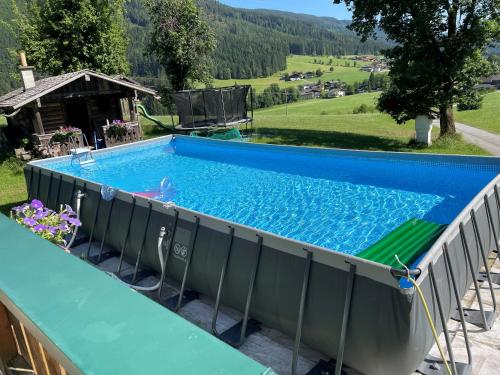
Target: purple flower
40, 214
63, 227
74, 222
65, 217
35, 203
29, 221
68, 209
21, 208
53, 230
39, 227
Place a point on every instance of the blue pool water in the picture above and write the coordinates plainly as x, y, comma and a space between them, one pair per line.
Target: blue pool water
339, 200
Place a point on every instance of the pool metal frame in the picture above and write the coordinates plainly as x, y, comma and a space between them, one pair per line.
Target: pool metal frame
475, 234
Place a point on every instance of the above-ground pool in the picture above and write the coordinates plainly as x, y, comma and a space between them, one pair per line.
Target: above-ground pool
281, 234
339, 200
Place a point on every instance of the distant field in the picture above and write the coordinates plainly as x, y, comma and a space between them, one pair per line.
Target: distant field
349, 74
487, 118
334, 106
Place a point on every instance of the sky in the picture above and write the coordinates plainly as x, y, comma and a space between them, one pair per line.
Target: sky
315, 7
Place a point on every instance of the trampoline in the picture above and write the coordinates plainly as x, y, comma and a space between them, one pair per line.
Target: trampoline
214, 107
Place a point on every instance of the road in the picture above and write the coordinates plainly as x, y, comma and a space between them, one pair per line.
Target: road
486, 140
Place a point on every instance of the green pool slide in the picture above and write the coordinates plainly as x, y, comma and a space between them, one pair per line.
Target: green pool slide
145, 113
408, 242
98, 324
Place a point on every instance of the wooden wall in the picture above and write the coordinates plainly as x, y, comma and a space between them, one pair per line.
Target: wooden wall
18, 347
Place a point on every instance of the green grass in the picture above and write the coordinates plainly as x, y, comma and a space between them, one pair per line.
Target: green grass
334, 106
3, 121
376, 132
12, 186
487, 117
305, 64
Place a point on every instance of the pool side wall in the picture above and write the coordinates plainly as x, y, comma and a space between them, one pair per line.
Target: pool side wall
387, 331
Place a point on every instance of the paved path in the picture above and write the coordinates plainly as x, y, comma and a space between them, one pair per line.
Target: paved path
486, 140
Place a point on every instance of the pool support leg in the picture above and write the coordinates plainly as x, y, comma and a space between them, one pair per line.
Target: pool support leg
49, 188
30, 182
97, 259
300, 320
495, 277
139, 275
175, 303
433, 365
222, 278
167, 255
480, 318
58, 195
236, 335
127, 235
91, 237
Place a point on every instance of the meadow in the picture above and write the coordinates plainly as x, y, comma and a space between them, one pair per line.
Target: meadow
303, 64
487, 117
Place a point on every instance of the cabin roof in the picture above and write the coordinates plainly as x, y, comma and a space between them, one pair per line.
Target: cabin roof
20, 97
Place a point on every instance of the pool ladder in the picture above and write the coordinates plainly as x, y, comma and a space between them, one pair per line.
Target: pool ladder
82, 154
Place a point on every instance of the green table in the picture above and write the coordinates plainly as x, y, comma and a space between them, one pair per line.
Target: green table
100, 325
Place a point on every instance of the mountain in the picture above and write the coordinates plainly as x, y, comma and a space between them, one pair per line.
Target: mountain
251, 43
255, 43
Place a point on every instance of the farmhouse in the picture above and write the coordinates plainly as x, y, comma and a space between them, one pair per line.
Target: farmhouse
83, 99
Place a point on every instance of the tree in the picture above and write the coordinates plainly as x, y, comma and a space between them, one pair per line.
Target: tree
438, 54
319, 73
182, 41
60, 36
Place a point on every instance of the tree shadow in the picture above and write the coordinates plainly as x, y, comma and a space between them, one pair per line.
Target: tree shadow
322, 138
5, 208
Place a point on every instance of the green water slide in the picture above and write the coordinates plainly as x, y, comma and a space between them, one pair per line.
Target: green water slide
408, 242
145, 113
97, 323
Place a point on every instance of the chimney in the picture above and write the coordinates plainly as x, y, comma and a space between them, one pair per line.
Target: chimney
26, 72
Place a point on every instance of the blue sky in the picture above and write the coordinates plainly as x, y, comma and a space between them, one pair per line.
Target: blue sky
316, 7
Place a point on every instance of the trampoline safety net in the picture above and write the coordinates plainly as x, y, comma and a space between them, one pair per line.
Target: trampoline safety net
223, 106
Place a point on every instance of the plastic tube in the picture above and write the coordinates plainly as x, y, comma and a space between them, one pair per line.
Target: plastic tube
162, 264
79, 197
428, 314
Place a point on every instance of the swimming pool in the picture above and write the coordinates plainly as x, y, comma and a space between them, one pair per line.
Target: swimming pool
246, 209
339, 201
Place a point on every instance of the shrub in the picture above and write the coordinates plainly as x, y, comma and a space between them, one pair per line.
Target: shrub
117, 129
14, 165
63, 134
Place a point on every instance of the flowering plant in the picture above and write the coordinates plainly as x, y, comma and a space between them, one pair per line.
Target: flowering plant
45, 222
64, 133
117, 128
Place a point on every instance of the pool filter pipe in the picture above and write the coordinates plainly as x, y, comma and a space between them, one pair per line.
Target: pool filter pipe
79, 197
162, 266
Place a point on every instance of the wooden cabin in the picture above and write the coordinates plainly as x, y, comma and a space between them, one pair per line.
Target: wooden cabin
84, 99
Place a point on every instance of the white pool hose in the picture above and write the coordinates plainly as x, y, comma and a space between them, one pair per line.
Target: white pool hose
162, 266
79, 197
428, 314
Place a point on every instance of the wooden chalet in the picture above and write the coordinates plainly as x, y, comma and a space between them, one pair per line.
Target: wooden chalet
84, 99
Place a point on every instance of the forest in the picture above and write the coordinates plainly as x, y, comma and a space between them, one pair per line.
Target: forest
251, 43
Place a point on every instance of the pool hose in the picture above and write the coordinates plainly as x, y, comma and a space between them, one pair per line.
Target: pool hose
79, 197
428, 315
162, 265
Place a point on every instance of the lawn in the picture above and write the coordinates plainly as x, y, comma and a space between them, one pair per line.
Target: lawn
12, 186
487, 118
349, 74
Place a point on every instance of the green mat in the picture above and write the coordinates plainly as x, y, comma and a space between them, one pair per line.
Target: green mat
102, 326
408, 241
220, 134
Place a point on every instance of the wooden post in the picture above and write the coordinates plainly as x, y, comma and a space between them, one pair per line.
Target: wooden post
8, 348
37, 121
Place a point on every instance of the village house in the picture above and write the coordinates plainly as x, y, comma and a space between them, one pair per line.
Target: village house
336, 93
85, 100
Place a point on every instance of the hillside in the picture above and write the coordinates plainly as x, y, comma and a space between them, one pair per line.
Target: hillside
251, 43
254, 43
